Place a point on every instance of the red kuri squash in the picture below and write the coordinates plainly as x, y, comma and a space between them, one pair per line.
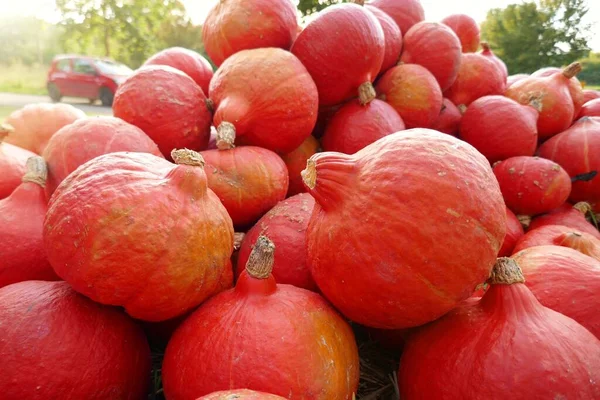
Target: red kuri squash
235, 25
266, 97
590, 109
13, 161
354, 126
22, 215
560, 235
167, 105
485, 342
392, 36
564, 280
400, 172
79, 142
515, 78
188, 61
240, 394
405, 13
270, 322
57, 344
413, 92
575, 87
140, 241
589, 94
487, 52
285, 225
296, 161
467, 30
435, 47
478, 76
449, 119
573, 216
342, 72
514, 232
532, 185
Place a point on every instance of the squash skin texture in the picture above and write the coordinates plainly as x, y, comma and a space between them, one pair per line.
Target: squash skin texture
559, 235
355, 195
13, 161
514, 232
296, 161
566, 215
467, 30
240, 394
405, 13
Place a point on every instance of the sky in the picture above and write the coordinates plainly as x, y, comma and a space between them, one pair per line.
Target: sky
435, 10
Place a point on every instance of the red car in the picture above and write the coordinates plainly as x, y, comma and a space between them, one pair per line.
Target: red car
87, 77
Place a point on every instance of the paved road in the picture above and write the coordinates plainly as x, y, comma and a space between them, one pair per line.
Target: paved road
19, 100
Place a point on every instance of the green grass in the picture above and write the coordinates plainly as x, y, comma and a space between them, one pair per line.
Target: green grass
23, 79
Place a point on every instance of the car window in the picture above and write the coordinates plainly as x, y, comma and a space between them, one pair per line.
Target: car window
63, 65
113, 68
83, 67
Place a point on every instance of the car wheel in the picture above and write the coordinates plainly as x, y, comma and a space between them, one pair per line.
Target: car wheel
54, 93
106, 97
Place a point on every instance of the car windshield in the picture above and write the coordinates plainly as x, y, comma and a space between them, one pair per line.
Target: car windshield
113, 68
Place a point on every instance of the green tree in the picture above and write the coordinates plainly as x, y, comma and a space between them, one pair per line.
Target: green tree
529, 36
308, 7
27, 40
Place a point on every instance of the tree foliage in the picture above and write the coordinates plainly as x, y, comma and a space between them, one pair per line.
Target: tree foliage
27, 40
308, 7
529, 36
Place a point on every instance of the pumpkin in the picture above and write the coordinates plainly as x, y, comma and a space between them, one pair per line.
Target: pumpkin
22, 219
248, 180
435, 47
500, 128
559, 235
79, 142
235, 25
354, 126
405, 13
392, 37
241, 394
564, 280
448, 121
413, 92
576, 150
34, 124
486, 51
271, 322
400, 172
342, 72
478, 76
575, 87
187, 61
140, 241
57, 344
532, 185
590, 109
467, 30
295, 162
485, 342
13, 161
557, 110
514, 232
167, 105
515, 78
589, 94
572, 216
266, 98
285, 225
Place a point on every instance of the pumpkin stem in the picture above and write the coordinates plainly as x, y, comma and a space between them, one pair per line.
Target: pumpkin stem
485, 46
238, 237
309, 174
5, 130
572, 70
210, 105
525, 220
506, 271
462, 109
187, 157
260, 262
225, 136
583, 207
366, 93
37, 171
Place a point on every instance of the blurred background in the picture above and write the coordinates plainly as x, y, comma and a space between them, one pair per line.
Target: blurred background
527, 35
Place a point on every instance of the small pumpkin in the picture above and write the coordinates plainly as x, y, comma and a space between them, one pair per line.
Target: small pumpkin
241, 394
167, 105
515, 78
512, 329
140, 240
355, 126
34, 124
296, 161
285, 225
487, 52
575, 87
572, 216
514, 232
590, 109
79, 142
235, 25
436, 47
413, 92
405, 13
467, 30
187, 61
590, 94
21, 221
248, 180
532, 185
342, 72
448, 121
61, 345
270, 320
392, 37
13, 161
266, 98
559, 235
564, 280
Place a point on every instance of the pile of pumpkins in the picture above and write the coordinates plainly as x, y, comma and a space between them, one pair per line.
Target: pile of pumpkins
451, 211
